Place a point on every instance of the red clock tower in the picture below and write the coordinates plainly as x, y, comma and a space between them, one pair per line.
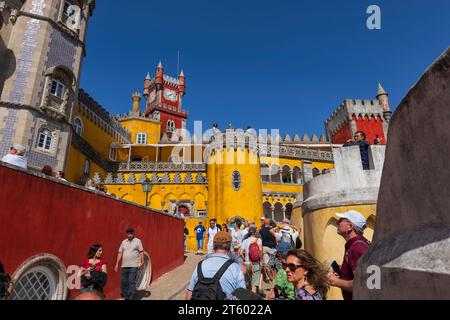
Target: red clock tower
164, 99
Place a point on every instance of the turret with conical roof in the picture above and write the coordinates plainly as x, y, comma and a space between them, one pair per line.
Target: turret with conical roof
159, 79
383, 99
147, 83
182, 80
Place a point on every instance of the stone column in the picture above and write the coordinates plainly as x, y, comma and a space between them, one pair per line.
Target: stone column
307, 171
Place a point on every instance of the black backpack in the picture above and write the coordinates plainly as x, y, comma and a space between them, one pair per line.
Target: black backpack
210, 288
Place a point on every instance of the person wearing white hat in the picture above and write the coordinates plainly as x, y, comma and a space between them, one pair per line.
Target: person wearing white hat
16, 157
351, 227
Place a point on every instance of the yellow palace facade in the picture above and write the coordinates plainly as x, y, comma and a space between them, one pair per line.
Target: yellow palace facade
223, 174
210, 174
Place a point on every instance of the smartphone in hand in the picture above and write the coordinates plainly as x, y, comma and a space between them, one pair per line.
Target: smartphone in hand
336, 268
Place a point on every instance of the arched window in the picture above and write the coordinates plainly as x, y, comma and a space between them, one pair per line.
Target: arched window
42, 277
267, 209
170, 126
316, 172
265, 172
275, 174
286, 174
71, 13
45, 139
237, 180
289, 210
144, 274
297, 175
78, 126
278, 212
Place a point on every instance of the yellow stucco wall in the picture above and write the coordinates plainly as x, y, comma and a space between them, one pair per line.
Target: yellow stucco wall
152, 128
98, 138
75, 164
198, 193
321, 238
224, 201
191, 243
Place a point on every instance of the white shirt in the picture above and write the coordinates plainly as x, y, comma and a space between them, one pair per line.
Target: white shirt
15, 160
286, 236
211, 235
246, 246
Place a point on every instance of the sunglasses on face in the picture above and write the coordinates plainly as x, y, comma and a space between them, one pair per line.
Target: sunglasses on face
292, 267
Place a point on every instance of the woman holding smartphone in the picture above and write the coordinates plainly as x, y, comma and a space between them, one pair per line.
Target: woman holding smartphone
93, 271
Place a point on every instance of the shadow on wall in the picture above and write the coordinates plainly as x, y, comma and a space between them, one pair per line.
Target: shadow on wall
8, 62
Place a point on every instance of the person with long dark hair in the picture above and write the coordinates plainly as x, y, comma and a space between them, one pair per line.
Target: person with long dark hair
308, 276
94, 271
4, 283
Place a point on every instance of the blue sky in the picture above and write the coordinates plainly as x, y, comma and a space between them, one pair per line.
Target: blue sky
283, 64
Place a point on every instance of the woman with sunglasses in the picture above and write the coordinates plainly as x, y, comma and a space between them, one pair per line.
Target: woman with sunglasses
308, 276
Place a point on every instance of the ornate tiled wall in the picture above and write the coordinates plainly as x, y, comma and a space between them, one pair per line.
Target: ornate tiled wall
62, 52
24, 58
7, 129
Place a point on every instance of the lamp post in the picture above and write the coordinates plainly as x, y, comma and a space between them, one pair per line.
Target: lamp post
147, 187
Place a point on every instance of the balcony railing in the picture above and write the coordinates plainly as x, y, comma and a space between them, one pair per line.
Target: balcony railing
161, 167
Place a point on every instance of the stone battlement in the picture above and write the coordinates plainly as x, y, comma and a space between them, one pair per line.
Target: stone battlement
348, 184
87, 103
349, 108
171, 81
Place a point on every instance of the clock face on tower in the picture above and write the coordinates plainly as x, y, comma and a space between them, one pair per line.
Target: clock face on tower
170, 95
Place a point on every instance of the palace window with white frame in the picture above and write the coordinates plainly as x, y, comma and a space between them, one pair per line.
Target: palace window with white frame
141, 138
45, 139
67, 4
113, 153
78, 126
71, 15
201, 213
57, 89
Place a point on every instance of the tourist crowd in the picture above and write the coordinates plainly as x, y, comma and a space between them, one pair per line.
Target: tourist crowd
250, 262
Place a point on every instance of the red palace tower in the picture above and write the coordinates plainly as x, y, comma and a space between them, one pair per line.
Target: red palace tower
370, 116
164, 95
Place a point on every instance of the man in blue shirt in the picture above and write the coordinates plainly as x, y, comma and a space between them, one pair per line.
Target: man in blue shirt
232, 279
200, 231
360, 140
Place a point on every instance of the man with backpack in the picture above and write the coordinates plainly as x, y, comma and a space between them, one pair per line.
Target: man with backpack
217, 276
253, 251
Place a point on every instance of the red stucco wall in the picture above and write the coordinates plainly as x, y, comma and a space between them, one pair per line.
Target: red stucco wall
372, 127
343, 135
42, 216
